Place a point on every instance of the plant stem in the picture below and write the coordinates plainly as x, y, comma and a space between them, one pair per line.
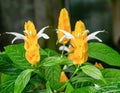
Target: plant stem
74, 72
62, 51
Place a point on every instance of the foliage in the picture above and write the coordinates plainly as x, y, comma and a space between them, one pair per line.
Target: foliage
20, 77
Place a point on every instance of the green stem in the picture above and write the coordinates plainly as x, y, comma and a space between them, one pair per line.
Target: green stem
63, 51
70, 77
74, 72
63, 85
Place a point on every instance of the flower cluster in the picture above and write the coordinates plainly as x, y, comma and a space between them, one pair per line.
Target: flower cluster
78, 38
31, 41
29, 68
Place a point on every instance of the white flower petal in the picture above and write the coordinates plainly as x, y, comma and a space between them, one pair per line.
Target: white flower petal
45, 36
66, 34
98, 39
61, 39
41, 31
65, 48
87, 31
70, 36
69, 46
17, 36
25, 31
65, 67
93, 36
96, 86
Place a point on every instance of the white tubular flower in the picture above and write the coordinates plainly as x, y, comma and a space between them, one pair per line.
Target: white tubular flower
93, 36
96, 86
23, 37
17, 36
89, 37
65, 48
65, 67
66, 35
42, 34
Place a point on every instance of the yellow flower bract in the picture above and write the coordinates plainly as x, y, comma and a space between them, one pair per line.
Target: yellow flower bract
31, 43
79, 44
99, 65
63, 77
63, 24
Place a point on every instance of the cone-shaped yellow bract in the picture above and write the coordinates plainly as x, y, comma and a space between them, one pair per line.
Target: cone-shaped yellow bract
63, 24
63, 77
79, 44
31, 43
99, 65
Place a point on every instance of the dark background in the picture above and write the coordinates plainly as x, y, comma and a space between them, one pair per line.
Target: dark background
96, 14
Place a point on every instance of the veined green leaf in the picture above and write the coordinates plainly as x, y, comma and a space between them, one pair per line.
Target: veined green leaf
48, 89
81, 77
104, 53
7, 83
6, 65
40, 91
111, 75
88, 89
93, 72
55, 60
70, 69
17, 54
46, 53
52, 74
69, 88
22, 80
51, 52
43, 54
113, 87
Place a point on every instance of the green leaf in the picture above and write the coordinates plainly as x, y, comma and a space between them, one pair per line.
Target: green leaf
51, 52
6, 65
48, 89
52, 74
104, 53
69, 88
111, 75
88, 89
22, 80
70, 69
43, 54
82, 80
40, 91
7, 83
81, 77
92, 71
113, 87
55, 60
17, 54
46, 53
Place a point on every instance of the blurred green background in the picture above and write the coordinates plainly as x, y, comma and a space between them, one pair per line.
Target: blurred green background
96, 14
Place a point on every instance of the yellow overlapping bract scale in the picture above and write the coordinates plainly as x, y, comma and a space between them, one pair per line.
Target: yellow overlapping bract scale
30, 28
63, 77
31, 43
63, 24
99, 65
79, 44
